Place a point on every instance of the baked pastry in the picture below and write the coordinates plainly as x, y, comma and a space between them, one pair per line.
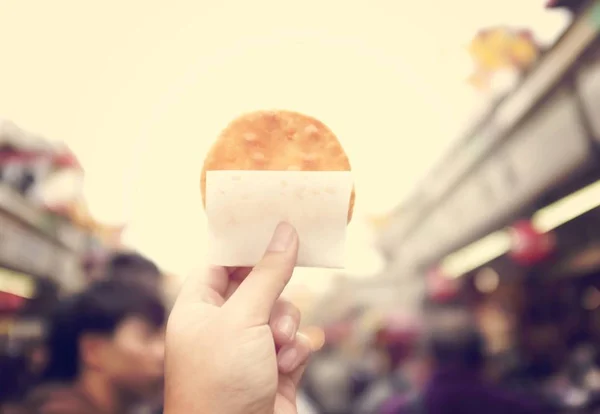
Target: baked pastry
276, 141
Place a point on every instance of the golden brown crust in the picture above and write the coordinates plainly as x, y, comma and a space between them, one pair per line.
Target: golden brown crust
276, 141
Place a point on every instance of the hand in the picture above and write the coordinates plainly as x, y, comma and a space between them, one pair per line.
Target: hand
232, 343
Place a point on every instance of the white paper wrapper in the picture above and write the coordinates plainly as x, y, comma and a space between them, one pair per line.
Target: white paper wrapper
244, 207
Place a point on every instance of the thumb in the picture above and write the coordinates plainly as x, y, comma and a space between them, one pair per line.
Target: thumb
258, 293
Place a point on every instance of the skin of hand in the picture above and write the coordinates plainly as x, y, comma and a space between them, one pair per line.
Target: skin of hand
233, 345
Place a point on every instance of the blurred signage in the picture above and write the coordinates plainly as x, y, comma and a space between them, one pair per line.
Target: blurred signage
18, 207
16, 283
27, 251
500, 49
23, 249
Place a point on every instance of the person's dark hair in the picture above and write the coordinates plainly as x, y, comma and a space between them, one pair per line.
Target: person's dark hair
100, 309
47, 293
454, 341
464, 350
125, 265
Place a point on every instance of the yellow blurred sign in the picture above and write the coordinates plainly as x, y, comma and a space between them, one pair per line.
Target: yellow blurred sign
16, 283
499, 49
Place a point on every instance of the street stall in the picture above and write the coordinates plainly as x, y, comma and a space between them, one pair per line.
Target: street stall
46, 234
512, 214
536, 146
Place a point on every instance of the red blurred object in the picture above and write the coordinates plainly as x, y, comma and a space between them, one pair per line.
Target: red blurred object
440, 287
398, 328
399, 336
8, 156
528, 245
10, 303
66, 159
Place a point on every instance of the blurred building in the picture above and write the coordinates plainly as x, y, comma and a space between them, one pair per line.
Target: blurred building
511, 214
46, 237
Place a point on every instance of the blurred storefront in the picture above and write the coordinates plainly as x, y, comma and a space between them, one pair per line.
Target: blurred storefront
49, 243
512, 212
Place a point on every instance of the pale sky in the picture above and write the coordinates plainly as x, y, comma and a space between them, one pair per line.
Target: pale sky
140, 89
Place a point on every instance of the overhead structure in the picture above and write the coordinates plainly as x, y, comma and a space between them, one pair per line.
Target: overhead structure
537, 145
39, 237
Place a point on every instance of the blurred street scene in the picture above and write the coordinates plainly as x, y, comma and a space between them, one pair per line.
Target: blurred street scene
473, 259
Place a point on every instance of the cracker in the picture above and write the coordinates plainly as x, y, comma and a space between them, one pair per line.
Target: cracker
276, 141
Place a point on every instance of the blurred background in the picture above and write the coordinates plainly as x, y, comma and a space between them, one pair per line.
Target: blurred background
473, 129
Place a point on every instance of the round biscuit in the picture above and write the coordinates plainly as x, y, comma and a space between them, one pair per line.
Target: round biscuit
276, 141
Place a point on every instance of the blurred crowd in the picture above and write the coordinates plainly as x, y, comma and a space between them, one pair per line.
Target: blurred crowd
523, 342
102, 351
447, 364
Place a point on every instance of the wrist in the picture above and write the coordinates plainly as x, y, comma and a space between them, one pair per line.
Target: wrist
207, 406
195, 407
203, 404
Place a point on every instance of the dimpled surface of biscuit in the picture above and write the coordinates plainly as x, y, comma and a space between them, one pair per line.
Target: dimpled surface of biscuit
276, 141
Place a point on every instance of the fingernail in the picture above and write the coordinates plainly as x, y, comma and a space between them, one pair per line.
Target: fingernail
287, 359
287, 327
282, 238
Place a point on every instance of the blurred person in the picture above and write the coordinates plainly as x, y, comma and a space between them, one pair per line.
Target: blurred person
569, 387
592, 378
414, 374
133, 267
455, 349
497, 327
333, 379
389, 382
580, 363
396, 339
14, 382
328, 381
105, 349
21, 363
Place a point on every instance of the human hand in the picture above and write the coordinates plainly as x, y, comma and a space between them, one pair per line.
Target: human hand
232, 343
